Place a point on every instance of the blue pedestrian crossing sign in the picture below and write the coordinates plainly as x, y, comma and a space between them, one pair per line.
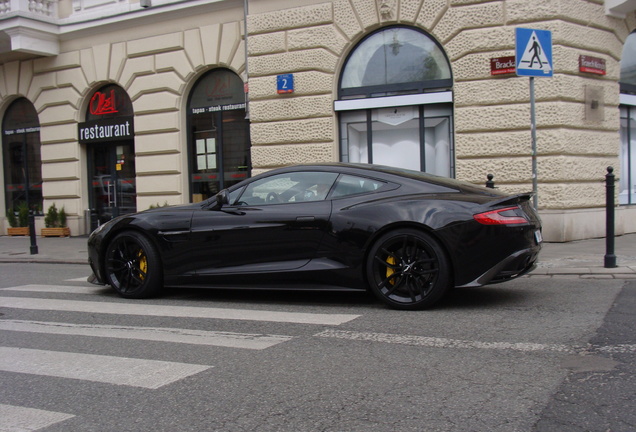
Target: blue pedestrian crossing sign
533, 50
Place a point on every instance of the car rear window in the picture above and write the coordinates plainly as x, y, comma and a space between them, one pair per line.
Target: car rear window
353, 185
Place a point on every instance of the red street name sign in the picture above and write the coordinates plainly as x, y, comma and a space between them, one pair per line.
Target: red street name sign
593, 65
502, 65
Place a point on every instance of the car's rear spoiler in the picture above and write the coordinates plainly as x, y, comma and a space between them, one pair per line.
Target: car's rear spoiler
511, 200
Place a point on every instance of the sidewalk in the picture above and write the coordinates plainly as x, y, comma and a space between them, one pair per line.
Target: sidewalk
584, 258
68, 250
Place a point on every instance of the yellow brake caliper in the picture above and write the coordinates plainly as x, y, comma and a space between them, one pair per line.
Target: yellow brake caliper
143, 263
389, 271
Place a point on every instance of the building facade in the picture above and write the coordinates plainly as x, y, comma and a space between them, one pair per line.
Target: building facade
114, 106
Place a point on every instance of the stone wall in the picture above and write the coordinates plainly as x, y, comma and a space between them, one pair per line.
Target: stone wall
157, 63
156, 70
492, 115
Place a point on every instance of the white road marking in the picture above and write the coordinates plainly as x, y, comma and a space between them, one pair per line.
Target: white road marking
61, 289
21, 419
150, 374
435, 342
618, 349
79, 279
145, 309
172, 335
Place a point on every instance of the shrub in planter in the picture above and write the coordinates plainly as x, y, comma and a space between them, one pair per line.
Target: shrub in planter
51, 218
55, 223
11, 219
23, 215
19, 225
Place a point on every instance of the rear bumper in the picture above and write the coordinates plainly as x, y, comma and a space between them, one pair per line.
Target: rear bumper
515, 265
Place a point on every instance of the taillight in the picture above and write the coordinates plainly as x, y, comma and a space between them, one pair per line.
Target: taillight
504, 216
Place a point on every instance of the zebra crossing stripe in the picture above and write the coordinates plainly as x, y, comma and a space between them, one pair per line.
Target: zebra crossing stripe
60, 289
160, 334
149, 374
21, 419
146, 309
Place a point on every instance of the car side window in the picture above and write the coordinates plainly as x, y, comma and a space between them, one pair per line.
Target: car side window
288, 188
233, 196
353, 185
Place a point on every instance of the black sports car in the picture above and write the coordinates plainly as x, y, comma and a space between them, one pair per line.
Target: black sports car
405, 235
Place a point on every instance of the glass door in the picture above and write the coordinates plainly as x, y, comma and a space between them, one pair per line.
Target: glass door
113, 189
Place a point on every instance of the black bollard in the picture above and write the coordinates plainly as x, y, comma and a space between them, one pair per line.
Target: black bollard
34, 244
490, 183
610, 257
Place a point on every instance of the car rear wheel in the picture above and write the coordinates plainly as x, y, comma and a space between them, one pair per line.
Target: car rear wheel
133, 266
408, 269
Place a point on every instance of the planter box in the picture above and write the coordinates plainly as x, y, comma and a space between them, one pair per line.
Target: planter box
56, 232
18, 231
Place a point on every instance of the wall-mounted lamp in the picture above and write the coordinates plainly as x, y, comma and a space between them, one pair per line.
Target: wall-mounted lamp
145, 3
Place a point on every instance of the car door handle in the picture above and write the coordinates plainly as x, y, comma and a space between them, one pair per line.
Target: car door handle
175, 236
305, 219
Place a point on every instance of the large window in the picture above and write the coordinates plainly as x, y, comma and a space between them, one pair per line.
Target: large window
21, 157
395, 103
627, 178
218, 138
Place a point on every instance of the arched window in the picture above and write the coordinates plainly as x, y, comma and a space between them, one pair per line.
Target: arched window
628, 65
22, 161
395, 60
627, 179
395, 103
218, 134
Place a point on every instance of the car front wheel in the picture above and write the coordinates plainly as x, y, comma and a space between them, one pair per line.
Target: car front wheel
133, 266
408, 269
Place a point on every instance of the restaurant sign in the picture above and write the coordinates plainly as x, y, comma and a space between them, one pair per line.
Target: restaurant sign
20, 131
106, 130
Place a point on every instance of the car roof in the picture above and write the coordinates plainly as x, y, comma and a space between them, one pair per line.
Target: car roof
400, 175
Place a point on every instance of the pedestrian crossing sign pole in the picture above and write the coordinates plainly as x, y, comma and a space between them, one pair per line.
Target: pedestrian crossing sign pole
533, 54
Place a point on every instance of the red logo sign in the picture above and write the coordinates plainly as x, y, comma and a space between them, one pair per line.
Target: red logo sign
222, 87
102, 104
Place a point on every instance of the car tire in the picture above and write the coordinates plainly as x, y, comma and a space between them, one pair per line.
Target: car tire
407, 269
132, 266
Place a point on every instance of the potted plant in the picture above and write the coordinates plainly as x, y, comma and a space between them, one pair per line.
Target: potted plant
18, 226
55, 223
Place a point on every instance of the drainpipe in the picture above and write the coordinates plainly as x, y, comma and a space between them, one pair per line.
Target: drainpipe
247, 75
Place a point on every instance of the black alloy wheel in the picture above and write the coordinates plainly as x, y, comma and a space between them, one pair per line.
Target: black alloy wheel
133, 266
407, 269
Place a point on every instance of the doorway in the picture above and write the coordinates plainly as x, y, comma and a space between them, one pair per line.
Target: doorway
113, 190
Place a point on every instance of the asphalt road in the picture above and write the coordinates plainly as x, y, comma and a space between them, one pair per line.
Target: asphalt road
528, 355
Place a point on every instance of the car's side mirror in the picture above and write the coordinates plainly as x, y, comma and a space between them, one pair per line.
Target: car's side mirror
220, 199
